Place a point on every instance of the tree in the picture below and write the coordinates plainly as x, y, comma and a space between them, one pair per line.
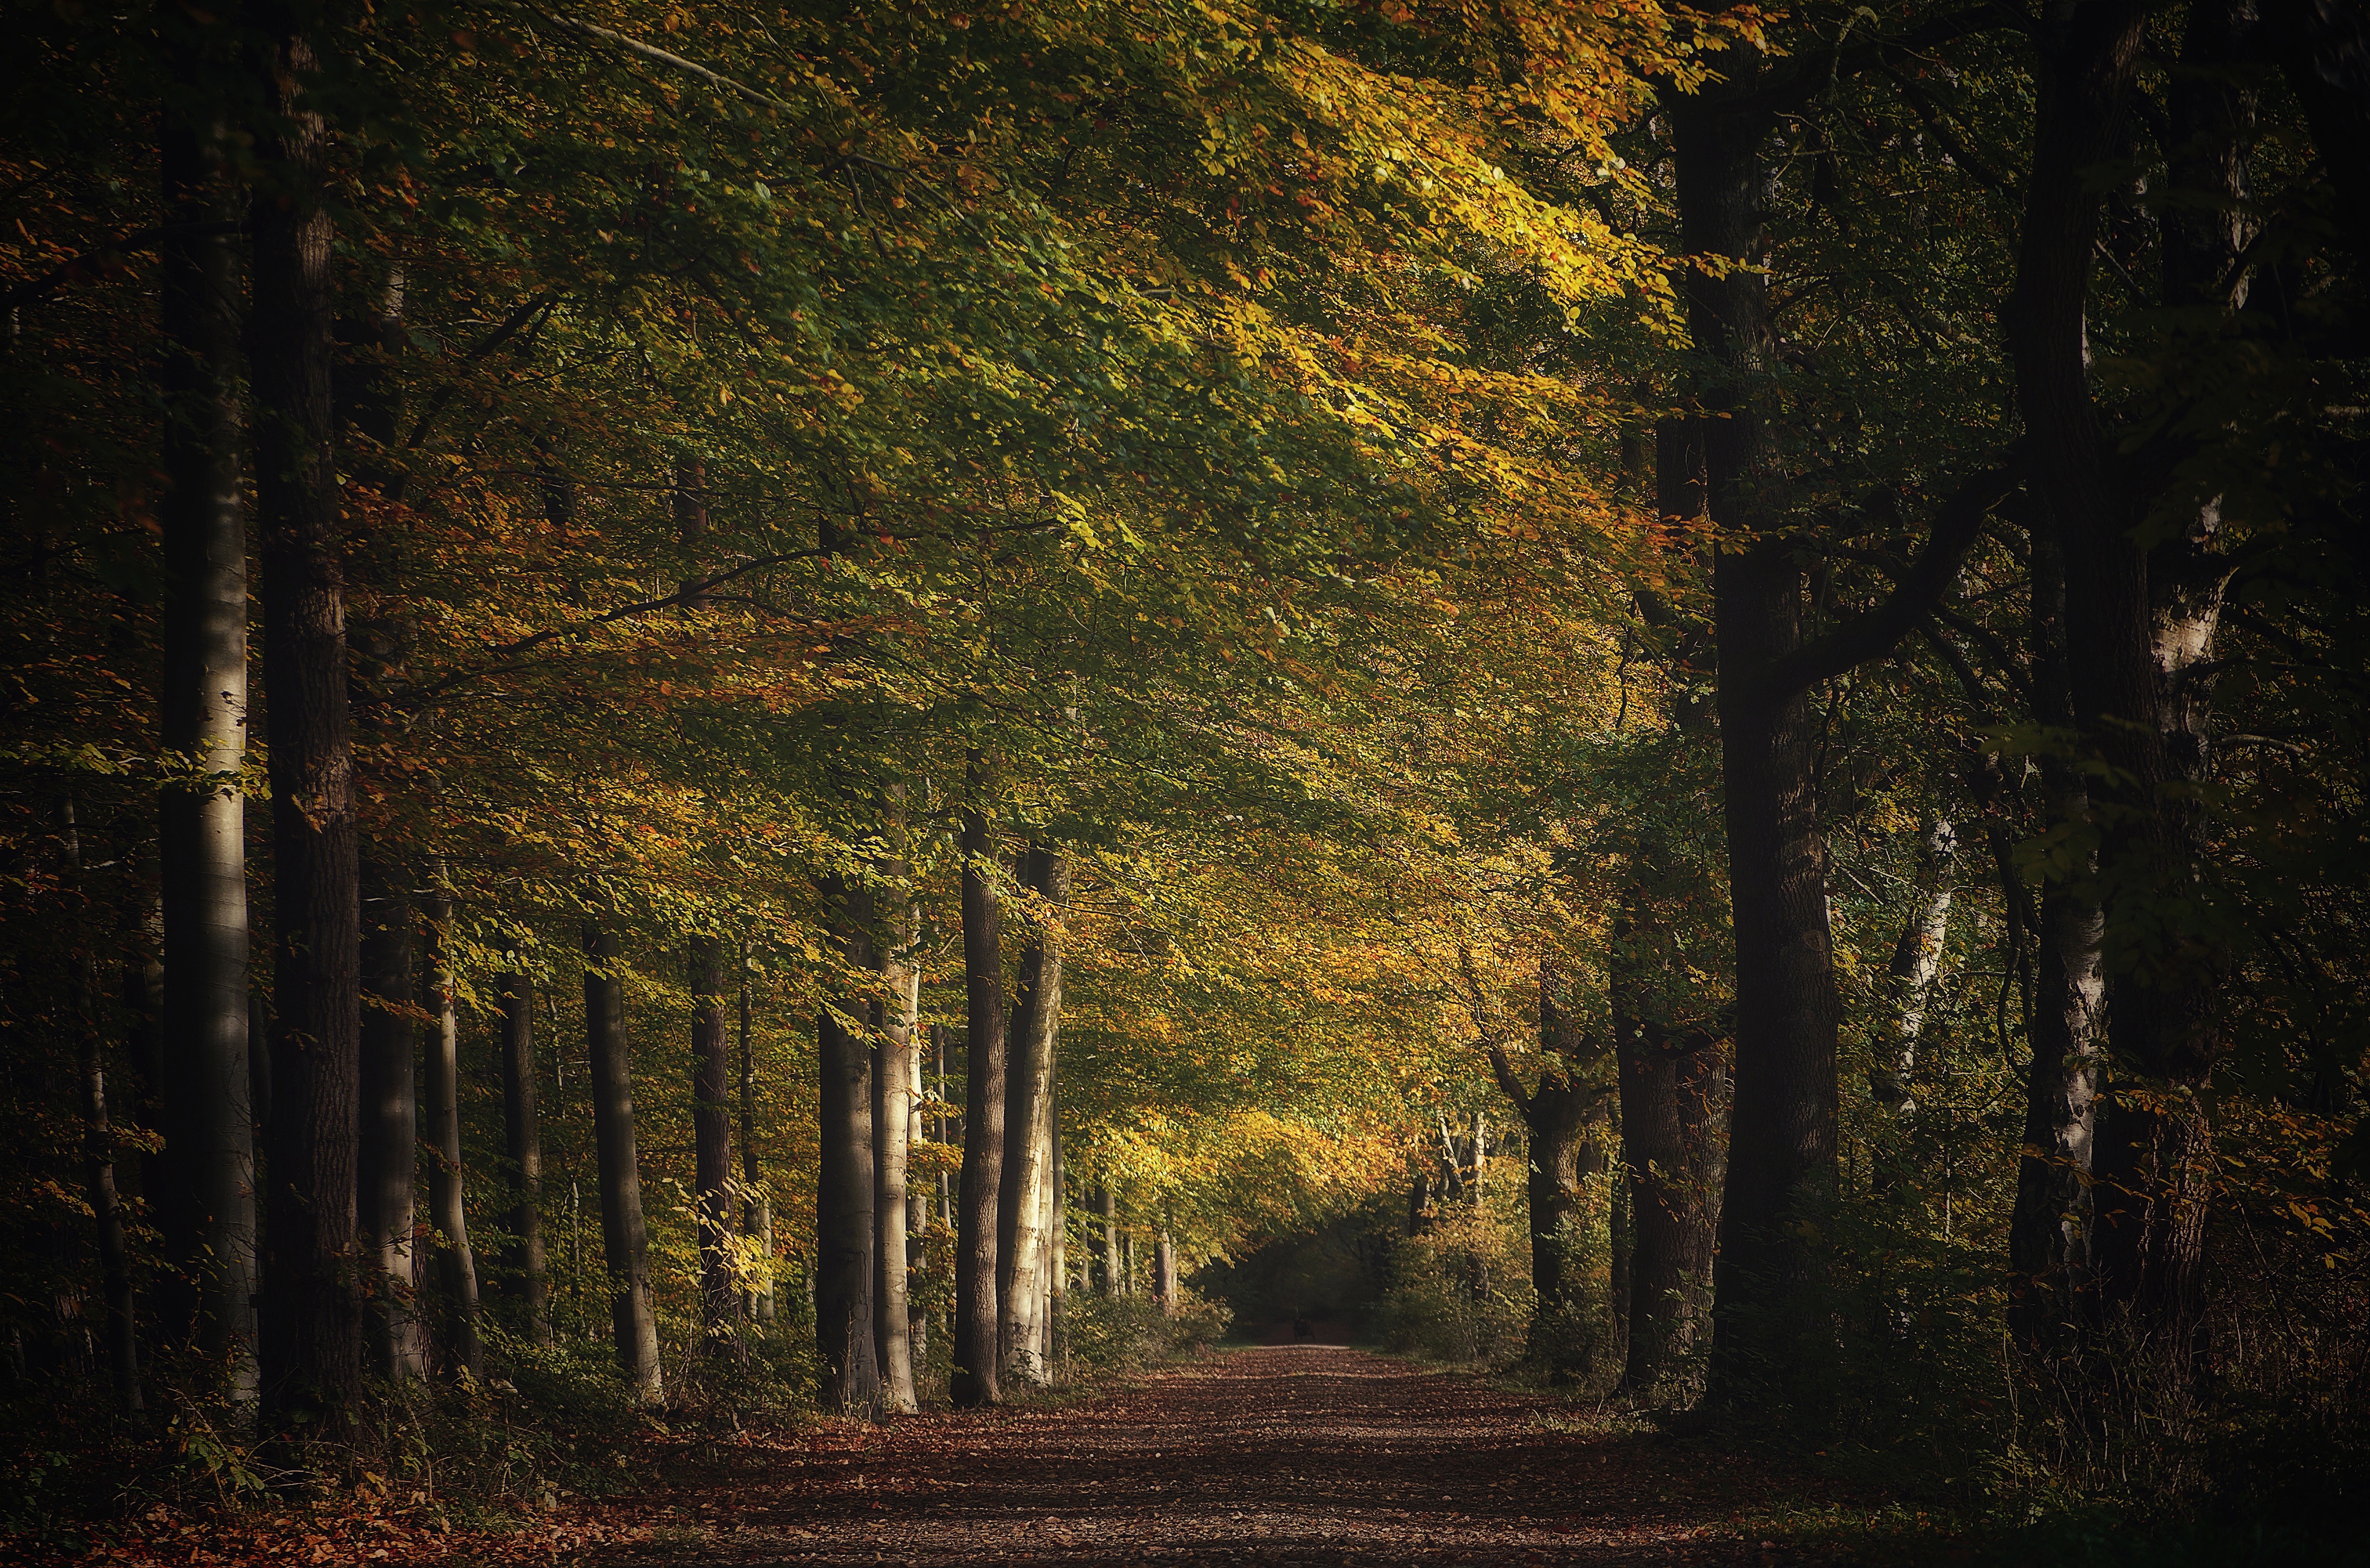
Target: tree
977, 1265
846, 1231
711, 1121
456, 1260
624, 1236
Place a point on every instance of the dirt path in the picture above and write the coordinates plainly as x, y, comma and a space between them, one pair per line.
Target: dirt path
1287, 1455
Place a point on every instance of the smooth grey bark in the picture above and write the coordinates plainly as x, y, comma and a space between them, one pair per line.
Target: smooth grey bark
711, 1132
845, 1233
756, 1212
207, 1202
387, 1162
1025, 1202
456, 1260
523, 1149
893, 1126
977, 1314
1163, 1271
624, 1236
312, 1318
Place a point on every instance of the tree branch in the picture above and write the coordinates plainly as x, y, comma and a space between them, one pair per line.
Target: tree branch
1920, 588
737, 89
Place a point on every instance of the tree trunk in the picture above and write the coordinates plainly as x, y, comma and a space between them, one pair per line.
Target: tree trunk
522, 1147
1782, 1146
756, 1213
1057, 1255
917, 1212
1107, 1208
976, 1309
2049, 1228
456, 1261
2124, 637
1673, 1096
711, 1133
1909, 978
893, 1126
1163, 1271
312, 1321
389, 1153
624, 1237
844, 1226
1023, 1247
206, 1205
98, 1136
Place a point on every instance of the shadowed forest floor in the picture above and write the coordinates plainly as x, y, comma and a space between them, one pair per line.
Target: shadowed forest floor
1275, 1453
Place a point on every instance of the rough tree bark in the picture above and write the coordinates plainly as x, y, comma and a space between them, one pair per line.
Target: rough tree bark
976, 1309
456, 1260
845, 1226
2048, 1227
624, 1236
1114, 1273
312, 1317
1023, 1246
711, 1133
523, 1148
388, 1157
207, 1201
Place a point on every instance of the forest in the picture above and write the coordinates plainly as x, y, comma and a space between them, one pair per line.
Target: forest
758, 723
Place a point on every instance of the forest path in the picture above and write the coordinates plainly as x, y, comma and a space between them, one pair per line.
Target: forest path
1272, 1455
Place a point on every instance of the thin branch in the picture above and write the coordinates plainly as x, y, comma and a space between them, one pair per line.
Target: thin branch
739, 89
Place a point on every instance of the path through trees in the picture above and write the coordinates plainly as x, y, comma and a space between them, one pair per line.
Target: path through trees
1281, 1454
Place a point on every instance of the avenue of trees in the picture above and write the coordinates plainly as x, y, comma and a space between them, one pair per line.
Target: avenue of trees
757, 692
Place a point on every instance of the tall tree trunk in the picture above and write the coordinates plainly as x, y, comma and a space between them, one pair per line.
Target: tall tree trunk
98, 1136
844, 1226
207, 1204
1057, 1268
893, 1127
711, 1133
1107, 1209
1163, 1271
976, 1309
388, 1159
2125, 635
1782, 1145
624, 1236
312, 1318
1023, 1247
523, 1148
456, 1261
756, 1213
2050, 1224
1675, 1094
